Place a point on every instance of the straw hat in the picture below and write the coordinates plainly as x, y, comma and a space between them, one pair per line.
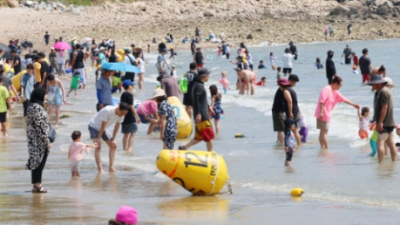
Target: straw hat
389, 82
158, 93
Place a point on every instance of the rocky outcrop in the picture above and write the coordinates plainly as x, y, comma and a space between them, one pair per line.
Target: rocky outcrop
368, 9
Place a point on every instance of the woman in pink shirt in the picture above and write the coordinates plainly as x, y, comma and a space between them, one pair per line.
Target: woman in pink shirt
147, 112
327, 101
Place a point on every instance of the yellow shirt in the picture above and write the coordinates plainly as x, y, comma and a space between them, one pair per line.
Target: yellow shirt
3, 99
38, 77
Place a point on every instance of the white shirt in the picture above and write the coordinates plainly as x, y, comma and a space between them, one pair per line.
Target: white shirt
287, 60
141, 65
60, 57
108, 115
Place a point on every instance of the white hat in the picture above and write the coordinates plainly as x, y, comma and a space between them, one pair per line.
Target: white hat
96, 49
52, 48
158, 93
389, 82
102, 48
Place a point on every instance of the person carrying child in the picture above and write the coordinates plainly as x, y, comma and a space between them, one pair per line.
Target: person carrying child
75, 152
216, 106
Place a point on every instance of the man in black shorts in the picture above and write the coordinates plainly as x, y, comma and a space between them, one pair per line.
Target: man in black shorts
191, 77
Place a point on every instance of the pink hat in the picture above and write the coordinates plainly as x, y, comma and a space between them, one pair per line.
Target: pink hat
283, 82
127, 214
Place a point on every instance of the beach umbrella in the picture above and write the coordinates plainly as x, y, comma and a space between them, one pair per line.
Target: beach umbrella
6, 51
62, 45
121, 67
86, 40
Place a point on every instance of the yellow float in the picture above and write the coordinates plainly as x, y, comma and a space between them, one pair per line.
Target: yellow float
199, 172
120, 58
7, 68
120, 51
297, 192
16, 80
183, 121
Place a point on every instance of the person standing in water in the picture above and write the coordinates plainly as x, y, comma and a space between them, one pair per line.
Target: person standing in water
191, 77
330, 67
199, 59
327, 101
385, 123
294, 113
78, 65
365, 66
346, 53
204, 130
287, 62
282, 96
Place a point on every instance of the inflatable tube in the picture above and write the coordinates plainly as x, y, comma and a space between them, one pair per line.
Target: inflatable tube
120, 57
184, 123
120, 51
136, 104
199, 172
16, 80
7, 68
297, 192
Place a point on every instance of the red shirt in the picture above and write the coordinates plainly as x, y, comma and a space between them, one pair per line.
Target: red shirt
355, 60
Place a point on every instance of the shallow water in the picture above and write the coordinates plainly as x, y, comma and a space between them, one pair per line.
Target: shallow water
342, 185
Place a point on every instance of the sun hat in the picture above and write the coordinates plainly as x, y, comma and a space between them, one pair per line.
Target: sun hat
389, 82
283, 82
127, 83
376, 79
127, 214
203, 72
102, 48
158, 93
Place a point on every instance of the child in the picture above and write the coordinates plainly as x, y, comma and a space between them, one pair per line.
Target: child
219, 50
129, 126
279, 75
303, 129
5, 101
364, 122
289, 142
318, 63
272, 59
76, 79
262, 66
173, 53
75, 152
355, 71
262, 82
216, 106
173, 72
355, 59
374, 139
224, 81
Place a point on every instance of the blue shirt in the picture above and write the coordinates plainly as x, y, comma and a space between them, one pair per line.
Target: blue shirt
28, 81
162, 60
104, 85
103, 58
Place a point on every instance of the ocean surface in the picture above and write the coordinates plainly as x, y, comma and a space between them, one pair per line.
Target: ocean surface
342, 185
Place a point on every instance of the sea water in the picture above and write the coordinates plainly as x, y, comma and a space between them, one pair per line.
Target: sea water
342, 185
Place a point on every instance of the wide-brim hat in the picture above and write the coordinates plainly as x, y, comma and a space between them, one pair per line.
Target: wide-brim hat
389, 82
283, 82
158, 93
376, 79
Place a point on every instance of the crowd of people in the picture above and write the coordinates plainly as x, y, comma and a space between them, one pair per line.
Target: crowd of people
42, 87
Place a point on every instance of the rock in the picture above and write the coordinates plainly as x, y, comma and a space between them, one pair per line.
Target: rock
340, 11
383, 10
208, 14
380, 2
177, 11
61, 5
395, 2
389, 4
356, 4
28, 3
249, 37
12, 3
259, 30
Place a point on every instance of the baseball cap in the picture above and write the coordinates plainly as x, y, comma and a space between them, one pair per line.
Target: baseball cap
203, 72
127, 83
127, 214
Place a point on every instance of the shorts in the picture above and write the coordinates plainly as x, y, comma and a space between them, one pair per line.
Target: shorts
3, 117
347, 61
75, 166
200, 65
322, 125
26, 105
363, 134
287, 70
129, 128
365, 77
278, 121
289, 154
81, 74
95, 133
204, 131
187, 99
143, 120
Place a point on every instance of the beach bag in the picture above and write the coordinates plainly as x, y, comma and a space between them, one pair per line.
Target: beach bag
183, 85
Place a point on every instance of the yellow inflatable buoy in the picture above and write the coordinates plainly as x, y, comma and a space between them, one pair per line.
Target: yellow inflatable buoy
199, 172
16, 80
183, 121
238, 135
297, 192
7, 68
120, 51
119, 57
